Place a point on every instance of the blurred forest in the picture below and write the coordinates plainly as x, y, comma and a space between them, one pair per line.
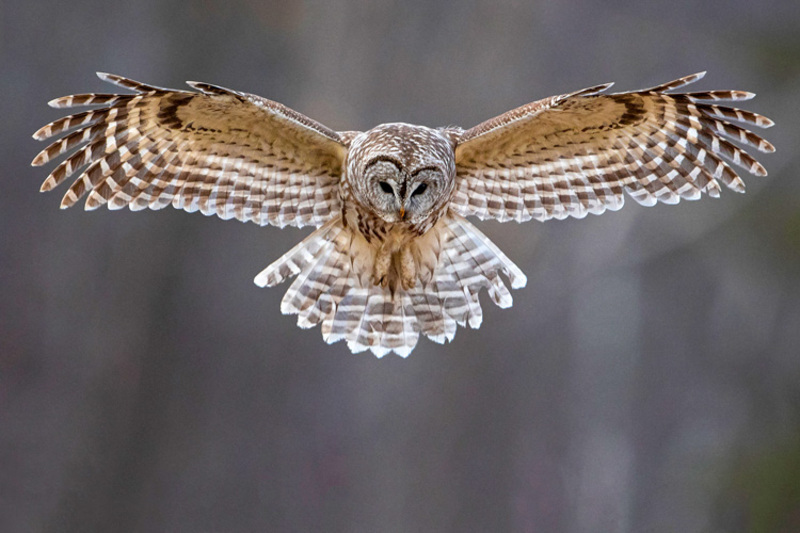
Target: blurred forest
646, 379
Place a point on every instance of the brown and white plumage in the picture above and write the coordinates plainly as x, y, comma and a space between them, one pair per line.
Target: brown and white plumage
575, 154
218, 151
333, 286
393, 255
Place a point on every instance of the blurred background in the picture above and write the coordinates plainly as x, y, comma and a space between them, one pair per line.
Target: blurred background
646, 379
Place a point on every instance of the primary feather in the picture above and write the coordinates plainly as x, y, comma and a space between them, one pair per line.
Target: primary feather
219, 152
577, 153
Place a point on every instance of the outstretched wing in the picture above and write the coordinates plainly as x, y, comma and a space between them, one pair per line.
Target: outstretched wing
576, 153
216, 151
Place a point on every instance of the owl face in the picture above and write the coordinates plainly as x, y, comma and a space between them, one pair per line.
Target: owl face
402, 173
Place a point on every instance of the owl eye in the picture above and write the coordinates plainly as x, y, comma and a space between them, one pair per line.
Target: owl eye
420, 189
385, 187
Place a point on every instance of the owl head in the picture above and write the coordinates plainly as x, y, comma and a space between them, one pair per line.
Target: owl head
402, 173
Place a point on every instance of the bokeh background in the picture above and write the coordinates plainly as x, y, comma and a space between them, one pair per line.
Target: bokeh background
646, 379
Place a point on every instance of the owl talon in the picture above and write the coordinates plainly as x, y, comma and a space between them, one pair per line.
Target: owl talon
380, 270
408, 269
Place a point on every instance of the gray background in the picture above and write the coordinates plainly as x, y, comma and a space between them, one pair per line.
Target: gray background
646, 379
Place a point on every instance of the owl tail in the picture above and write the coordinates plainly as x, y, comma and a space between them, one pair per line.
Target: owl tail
334, 286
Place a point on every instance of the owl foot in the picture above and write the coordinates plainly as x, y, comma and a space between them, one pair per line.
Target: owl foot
408, 269
404, 271
380, 270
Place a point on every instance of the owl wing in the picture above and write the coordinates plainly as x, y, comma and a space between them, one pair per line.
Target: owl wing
216, 151
576, 153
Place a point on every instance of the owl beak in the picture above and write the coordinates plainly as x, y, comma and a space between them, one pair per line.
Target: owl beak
402, 213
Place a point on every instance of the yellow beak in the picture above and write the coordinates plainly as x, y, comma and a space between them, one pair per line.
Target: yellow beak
402, 213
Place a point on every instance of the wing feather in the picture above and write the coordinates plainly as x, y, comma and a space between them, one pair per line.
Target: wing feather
216, 151
574, 154
333, 288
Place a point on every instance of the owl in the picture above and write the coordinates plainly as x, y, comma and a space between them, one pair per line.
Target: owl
393, 255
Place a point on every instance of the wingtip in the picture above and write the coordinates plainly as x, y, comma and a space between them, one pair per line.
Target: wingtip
268, 278
42, 133
210, 89
202, 87
605, 86
597, 89
690, 79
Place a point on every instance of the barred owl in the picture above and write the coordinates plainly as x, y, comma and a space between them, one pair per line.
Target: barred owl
393, 256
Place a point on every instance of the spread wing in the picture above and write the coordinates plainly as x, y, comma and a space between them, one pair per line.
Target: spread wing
576, 153
216, 151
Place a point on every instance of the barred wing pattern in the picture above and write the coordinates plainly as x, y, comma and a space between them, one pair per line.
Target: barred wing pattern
241, 156
216, 151
576, 153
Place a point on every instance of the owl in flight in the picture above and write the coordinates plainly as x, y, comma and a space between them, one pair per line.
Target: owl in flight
393, 256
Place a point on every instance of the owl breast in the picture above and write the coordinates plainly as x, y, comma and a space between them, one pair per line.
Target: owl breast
399, 179
376, 230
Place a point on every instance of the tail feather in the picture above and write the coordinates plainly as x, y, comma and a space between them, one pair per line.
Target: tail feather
397, 324
358, 338
295, 260
333, 286
372, 321
349, 316
434, 322
315, 280
469, 281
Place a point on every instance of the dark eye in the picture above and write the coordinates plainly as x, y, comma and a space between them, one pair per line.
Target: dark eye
385, 187
420, 189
